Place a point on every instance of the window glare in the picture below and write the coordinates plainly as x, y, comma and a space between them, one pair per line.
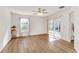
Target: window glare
24, 20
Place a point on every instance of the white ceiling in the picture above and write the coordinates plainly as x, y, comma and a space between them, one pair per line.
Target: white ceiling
27, 10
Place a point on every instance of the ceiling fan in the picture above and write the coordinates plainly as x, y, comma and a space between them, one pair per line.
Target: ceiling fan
40, 11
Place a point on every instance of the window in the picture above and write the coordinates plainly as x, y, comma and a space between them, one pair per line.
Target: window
24, 26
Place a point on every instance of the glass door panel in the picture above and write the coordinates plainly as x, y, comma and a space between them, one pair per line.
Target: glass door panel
54, 29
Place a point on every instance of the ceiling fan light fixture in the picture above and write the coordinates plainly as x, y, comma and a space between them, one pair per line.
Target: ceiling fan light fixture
39, 14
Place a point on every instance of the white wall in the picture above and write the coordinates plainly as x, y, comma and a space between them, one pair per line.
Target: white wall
37, 24
65, 27
76, 25
4, 27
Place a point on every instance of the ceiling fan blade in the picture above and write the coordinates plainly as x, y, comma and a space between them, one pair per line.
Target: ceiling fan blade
35, 11
44, 10
39, 9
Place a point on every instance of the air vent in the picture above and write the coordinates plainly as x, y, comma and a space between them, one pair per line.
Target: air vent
61, 7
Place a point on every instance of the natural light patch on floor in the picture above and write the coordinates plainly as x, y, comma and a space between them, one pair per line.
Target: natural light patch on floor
53, 35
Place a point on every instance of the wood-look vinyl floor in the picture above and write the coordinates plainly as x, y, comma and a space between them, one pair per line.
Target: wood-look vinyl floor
38, 44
